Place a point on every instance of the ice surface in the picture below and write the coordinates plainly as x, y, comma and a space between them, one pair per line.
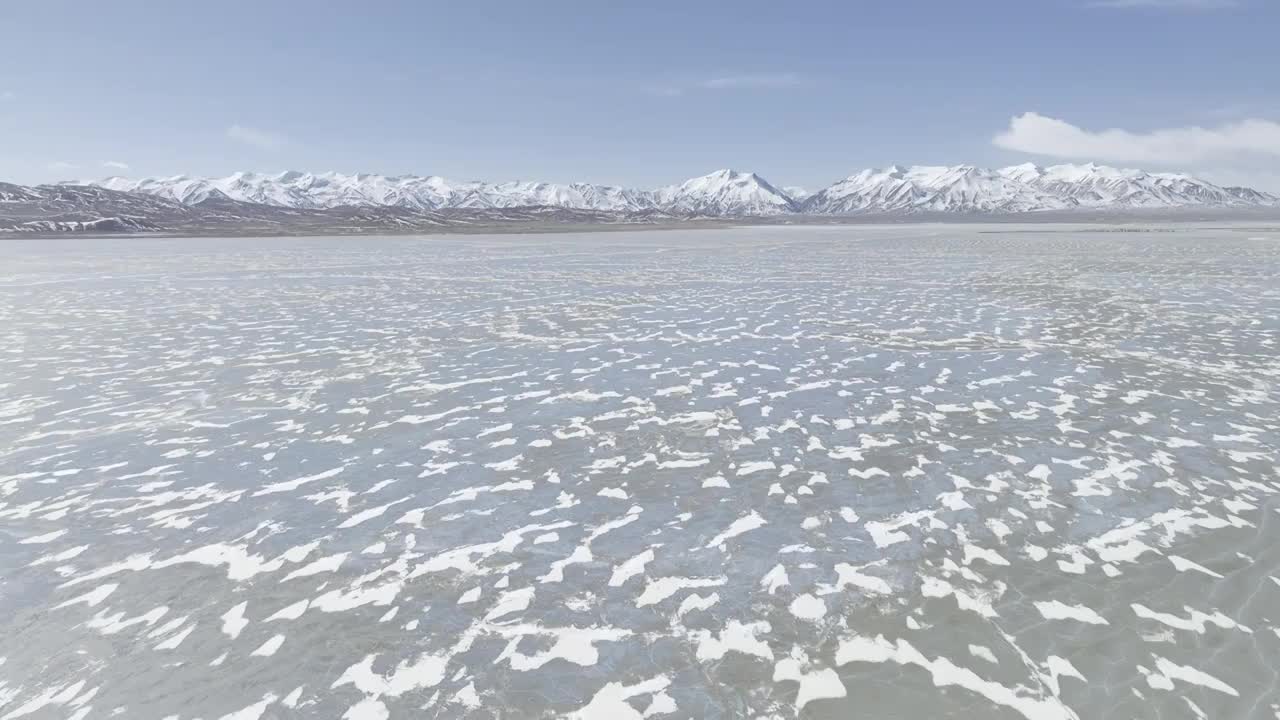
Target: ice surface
914, 471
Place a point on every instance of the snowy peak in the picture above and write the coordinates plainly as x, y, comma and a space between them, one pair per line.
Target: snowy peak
1026, 172
796, 193
1021, 188
959, 188
1100, 186
725, 193
1251, 196
304, 190
722, 193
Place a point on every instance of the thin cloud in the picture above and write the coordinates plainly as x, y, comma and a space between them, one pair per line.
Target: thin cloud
260, 139
762, 80
1167, 4
1267, 180
115, 165
666, 91
748, 81
1040, 135
62, 166
1247, 109
8, 95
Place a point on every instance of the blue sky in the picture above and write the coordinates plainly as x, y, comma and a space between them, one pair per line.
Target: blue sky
640, 94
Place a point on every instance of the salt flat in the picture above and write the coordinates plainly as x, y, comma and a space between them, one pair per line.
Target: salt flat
890, 472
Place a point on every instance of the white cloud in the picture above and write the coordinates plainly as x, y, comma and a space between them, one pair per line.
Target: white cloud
1167, 4
115, 165
257, 138
8, 95
61, 166
1227, 144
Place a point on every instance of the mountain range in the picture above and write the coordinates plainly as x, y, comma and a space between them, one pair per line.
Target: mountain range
292, 202
70, 208
728, 193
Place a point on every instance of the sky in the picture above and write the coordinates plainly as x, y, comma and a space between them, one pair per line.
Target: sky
636, 94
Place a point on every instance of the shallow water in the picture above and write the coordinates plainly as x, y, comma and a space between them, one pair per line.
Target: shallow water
884, 472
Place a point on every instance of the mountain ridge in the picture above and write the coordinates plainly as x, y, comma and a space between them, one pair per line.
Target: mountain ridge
69, 208
728, 193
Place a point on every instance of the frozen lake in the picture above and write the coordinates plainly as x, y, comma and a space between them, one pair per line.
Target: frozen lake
883, 472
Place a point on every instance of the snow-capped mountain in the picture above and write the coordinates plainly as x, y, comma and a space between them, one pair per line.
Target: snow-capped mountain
328, 190
1094, 185
1250, 196
962, 188
727, 193
304, 190
579, 196
1022, 188
73, 208
722, 193
796, 193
